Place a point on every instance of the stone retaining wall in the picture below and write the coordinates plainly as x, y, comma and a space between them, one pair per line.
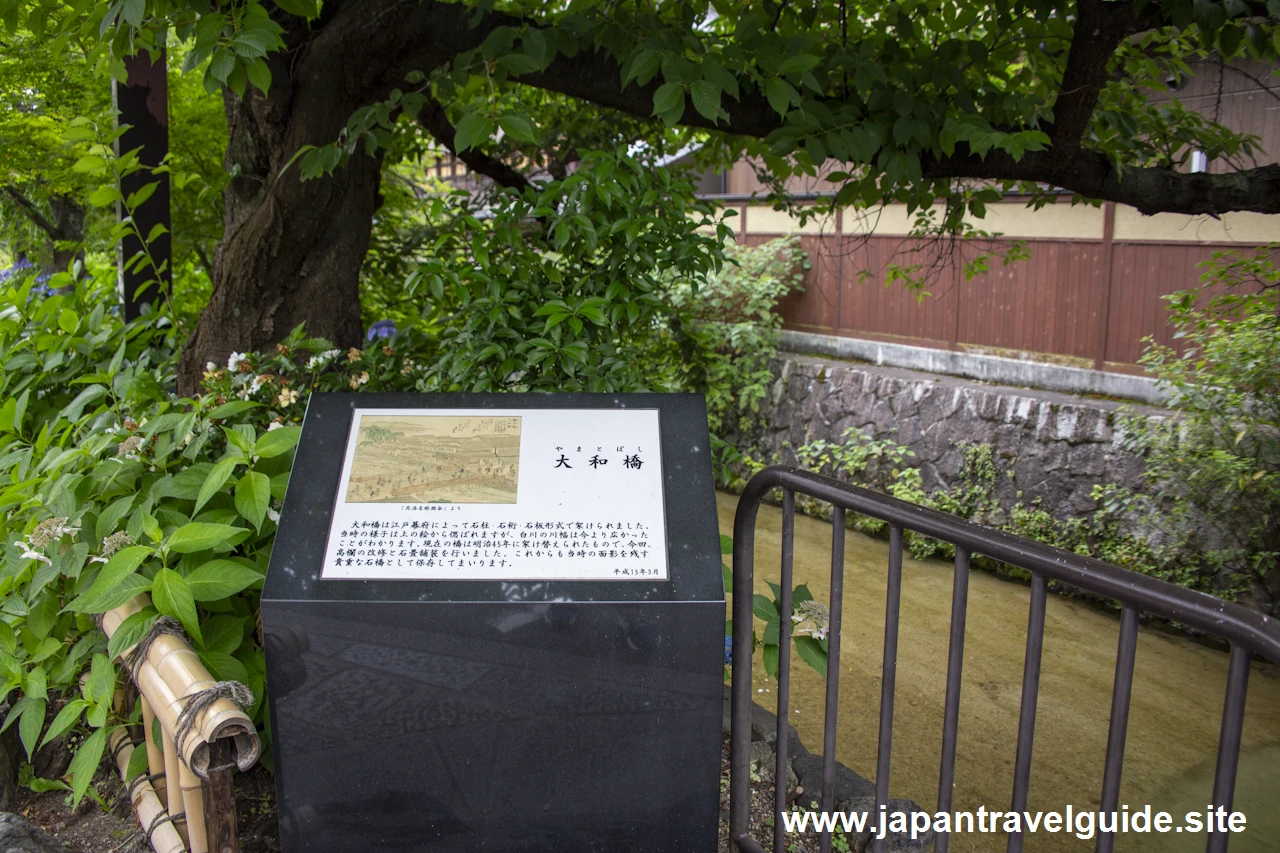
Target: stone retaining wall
1057, 446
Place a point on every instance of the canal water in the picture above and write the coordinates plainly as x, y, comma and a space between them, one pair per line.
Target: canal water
1174, 717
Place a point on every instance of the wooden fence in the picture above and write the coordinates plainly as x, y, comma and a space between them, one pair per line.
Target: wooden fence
1079, 300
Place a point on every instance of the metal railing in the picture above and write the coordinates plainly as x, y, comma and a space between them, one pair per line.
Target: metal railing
1248, 633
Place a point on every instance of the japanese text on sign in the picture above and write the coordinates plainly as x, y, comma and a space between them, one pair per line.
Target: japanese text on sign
500, 494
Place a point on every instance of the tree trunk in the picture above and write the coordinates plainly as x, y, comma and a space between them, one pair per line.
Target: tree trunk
68, 241
291, 250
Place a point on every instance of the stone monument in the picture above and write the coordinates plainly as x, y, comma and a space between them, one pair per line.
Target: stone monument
495, 623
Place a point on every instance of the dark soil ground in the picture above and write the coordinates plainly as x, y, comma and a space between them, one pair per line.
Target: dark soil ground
114, 829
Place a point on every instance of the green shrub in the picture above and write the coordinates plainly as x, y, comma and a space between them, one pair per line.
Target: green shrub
1211, 488
114, 486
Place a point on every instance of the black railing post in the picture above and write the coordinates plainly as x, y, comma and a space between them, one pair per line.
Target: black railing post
1248, 632
831, 712
951, 712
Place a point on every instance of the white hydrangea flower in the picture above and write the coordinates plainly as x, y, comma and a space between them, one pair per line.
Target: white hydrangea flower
128, 448
234, 360
29, 554
816, 614
321, 359
50, 530
115, 543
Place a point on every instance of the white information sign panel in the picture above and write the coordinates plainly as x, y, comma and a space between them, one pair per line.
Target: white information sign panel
500, 494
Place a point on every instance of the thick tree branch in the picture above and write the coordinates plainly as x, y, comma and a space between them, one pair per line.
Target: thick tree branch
430, 33
1097, 35
33, 213
1150, 190
432, 117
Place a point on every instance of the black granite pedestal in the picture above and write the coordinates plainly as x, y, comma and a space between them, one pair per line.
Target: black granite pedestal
500, 715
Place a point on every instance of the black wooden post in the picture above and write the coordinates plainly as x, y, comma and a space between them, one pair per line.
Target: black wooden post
143, 104
219, 793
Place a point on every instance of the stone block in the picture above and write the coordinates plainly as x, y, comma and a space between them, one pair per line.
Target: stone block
478, 711
1009, 440
1088, 460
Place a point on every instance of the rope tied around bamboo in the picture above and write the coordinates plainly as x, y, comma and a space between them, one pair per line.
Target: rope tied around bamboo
195, 704
192, 707
133, 660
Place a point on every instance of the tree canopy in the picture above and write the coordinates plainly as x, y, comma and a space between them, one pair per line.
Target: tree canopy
937, 104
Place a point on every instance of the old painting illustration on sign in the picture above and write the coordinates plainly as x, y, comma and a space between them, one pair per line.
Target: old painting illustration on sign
414, 459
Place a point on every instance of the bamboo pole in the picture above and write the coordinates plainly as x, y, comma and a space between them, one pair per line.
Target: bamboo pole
193, 803
155, 755
173, 793
171, 673
164, 836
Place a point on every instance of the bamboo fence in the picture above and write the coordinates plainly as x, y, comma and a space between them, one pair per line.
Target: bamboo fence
185, 802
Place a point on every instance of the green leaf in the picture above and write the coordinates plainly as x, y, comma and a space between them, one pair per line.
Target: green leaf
110, 518
67, 320
235, 407
223, 63
518, 63
30, 724
224, 667
764, 608
781, 95
76, 407
203, 535
812, 653
102, 681
259, 75
218, 579
222, 633
276, 442
120, 566
105, 195
48, 647
110, 599
85, 764
770, 657
473, 129
222, 471
130, 631
726, 544
798, 63
132, 13
668, 98
253, 495
172, 597
186, 485
66, 718
724, 81
518, 127
137, 764
706, 99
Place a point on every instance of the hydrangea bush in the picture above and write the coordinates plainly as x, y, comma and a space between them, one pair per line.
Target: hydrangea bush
113, 486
